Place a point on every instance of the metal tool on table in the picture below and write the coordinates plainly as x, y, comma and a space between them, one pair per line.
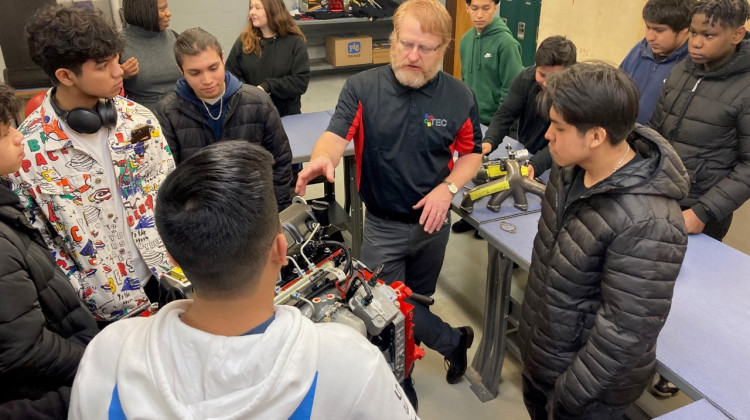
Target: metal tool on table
502, 178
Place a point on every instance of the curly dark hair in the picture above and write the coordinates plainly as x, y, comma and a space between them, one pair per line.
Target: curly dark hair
9, 104
63, 37
727, 13
141, 13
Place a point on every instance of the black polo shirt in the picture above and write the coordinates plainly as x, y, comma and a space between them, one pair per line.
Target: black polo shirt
404, 138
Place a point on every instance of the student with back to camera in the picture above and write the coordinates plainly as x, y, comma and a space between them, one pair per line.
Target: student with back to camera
230, 352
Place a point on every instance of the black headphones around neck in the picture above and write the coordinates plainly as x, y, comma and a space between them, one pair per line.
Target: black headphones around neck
85, 120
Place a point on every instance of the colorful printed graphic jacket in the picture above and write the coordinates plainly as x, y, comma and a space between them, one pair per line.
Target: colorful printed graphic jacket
64, 192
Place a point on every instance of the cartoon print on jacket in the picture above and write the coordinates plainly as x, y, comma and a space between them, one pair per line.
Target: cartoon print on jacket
65, 193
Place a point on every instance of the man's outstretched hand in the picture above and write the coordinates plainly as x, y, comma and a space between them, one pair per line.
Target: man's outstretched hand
321, 165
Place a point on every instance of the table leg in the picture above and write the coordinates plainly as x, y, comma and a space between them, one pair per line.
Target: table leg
351, 197
484, 372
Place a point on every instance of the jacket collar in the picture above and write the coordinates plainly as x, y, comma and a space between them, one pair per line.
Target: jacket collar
11, 210
184, 90
676, 55
56, 136
659, 172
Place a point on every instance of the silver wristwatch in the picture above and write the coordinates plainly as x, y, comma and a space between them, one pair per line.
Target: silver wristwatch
451, 187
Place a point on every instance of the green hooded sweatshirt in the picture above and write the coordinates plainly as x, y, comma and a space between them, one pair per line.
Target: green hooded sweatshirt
489, 63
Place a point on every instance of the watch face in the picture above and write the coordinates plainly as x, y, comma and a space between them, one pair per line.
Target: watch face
452, 188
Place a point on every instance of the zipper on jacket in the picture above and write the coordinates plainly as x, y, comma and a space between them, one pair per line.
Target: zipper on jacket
678, 123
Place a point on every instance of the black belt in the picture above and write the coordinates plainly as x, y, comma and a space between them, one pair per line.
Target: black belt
411, 218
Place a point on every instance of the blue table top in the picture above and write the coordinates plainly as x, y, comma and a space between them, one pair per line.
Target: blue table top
303, 131
706, 339
519, 245
699, 410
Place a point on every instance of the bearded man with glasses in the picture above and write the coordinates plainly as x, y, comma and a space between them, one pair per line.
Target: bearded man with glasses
407, 120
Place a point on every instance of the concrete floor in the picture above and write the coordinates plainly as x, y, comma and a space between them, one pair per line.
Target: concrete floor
459, 300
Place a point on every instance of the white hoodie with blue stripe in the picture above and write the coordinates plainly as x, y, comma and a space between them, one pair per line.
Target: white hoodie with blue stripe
161, 368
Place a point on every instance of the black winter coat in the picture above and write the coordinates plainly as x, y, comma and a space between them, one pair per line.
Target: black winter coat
705, 115
601, 278
250, 116
282, 69
44, 328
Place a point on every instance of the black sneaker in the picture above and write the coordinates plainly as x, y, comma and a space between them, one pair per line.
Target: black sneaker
408, 386
662, 388
461, 226
457, 361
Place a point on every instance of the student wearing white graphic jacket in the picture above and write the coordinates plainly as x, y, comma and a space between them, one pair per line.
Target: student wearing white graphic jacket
230, 353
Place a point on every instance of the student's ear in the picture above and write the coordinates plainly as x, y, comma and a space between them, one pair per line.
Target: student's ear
738, 35
597, 135
66, 77
278, 249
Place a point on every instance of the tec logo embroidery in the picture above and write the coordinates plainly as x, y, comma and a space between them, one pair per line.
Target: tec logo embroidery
430, 120
488, 55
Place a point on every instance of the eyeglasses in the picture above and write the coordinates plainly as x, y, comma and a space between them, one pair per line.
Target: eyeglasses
423, 49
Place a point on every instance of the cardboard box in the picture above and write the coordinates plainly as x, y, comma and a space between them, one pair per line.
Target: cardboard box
348, 50
381, 52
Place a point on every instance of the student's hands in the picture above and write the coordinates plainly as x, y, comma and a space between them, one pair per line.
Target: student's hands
130, 67
693, 224
435, 207
486, 148
530, 169
321, 165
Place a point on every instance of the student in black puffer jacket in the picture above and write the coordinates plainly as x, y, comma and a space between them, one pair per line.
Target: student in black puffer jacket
44, 328
704, 112
610, 245
210, 105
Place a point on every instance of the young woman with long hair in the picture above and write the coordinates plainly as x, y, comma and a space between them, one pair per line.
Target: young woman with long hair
271, 54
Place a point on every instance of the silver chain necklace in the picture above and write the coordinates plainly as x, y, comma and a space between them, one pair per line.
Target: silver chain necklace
619, 163
221, 109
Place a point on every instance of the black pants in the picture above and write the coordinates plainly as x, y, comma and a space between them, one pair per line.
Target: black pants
539, 402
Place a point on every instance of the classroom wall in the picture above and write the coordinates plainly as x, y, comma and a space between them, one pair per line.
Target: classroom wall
225, 19
602, 30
